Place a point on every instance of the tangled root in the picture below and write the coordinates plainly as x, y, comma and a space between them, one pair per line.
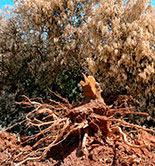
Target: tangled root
56, 121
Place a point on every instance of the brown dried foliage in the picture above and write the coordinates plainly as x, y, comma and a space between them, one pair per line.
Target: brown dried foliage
113, 41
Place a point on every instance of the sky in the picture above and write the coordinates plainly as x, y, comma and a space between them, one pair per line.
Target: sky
10, 2
5, 2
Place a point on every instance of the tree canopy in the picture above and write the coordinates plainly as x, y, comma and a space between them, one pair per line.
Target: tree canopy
49, 43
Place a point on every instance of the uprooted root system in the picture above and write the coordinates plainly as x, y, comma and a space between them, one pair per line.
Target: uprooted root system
90, 123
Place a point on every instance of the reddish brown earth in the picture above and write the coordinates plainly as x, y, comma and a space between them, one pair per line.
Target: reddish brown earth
108, 153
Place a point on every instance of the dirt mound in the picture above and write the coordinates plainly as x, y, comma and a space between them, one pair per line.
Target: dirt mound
68, 154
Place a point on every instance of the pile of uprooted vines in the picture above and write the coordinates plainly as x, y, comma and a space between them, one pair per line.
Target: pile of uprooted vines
56, 121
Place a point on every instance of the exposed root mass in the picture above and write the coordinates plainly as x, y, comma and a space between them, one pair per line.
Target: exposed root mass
56, 121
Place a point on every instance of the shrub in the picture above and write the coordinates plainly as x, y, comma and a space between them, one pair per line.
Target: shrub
43, 43
122, 52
